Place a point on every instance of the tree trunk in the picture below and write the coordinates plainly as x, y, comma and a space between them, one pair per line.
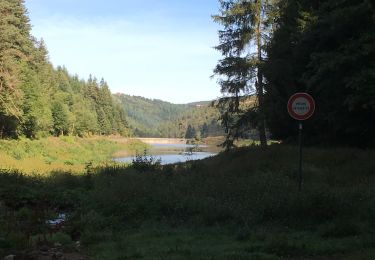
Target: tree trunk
261, 122
259, 85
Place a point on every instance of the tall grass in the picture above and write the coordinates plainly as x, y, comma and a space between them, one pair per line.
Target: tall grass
63, 154
244, 204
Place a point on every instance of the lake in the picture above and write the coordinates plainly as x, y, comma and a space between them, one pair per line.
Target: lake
175, 152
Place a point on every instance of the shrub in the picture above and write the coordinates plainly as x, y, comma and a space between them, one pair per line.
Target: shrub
144, 163
62, 238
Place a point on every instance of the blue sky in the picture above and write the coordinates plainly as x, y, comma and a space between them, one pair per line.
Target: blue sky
153, 48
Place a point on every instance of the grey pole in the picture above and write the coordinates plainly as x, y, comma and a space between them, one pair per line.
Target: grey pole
300, 178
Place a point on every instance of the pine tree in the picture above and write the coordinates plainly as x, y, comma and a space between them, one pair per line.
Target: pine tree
105, 101
246, 28
86, 121
190, 132
15, 51
36, 119
60, 118
204, 130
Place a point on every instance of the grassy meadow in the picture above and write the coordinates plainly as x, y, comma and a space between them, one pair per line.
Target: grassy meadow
243, 204
67, 153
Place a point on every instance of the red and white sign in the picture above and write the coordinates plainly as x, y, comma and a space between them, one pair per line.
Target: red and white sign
301, 106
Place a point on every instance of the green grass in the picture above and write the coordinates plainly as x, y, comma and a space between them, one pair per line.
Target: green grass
161, 241
64, 154
244, 204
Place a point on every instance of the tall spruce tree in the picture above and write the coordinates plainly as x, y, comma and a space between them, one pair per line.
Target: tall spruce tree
190, 132
246, 29
15, 51
325, 48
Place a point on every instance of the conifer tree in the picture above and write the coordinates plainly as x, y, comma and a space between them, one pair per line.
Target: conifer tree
36, 120
190, 132
60, 118
15, 50
204, 130
246, 28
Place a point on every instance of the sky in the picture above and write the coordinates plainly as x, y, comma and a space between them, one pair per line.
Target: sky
161, 49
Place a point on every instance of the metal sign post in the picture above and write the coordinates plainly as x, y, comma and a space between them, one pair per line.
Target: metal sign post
301, 106
300, 157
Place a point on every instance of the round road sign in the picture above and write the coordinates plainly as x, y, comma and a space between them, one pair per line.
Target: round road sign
301, 106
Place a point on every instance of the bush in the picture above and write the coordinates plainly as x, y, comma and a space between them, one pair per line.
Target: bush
62, 238
144, 163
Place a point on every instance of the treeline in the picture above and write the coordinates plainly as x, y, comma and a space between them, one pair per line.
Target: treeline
276, 48
197, 121
146, 115
157, 118
37, 100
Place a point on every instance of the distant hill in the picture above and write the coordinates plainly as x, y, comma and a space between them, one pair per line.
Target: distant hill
200, 103
157, 118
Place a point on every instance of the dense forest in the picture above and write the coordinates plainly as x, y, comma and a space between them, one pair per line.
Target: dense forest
37, 100
156, 118
274, 49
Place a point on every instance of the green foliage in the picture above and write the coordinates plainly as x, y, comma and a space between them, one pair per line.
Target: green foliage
156, 118
239, 72
36, 120
14, 55
64, 153
60, 118
324, 48
146, 163
190, 132
37, 100
204, 130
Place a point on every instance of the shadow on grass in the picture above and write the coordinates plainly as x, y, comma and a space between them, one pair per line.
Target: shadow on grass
243, 204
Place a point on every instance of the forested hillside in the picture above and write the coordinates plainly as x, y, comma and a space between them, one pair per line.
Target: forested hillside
156, 118
37, 100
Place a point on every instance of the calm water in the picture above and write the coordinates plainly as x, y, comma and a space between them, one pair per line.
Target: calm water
174, 153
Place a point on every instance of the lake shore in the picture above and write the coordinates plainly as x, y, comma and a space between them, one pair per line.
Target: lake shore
161, 140
67, 153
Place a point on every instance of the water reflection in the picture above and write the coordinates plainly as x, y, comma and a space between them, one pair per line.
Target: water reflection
174, 153
172, 158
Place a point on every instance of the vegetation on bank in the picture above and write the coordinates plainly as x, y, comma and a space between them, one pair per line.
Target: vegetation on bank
66, 153
242, 204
